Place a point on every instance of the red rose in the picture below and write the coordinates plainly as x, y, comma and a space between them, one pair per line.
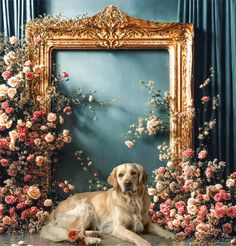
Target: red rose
6, 75
4, 162
188, 153
29, 75
64, 74
73, 235
227, 228
33, 135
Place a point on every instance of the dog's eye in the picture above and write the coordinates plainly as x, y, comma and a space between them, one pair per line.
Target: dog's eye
133, 173
120, 175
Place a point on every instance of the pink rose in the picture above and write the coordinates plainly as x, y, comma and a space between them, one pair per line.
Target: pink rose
61, 185
30, 157
67, 139
37, 69
227, 228
38, 40
4, 162
160, 170
5, 105
10, 199
66, 190
6, 75
27, 178
202, 154
205, 99
219, 213
2, 209
164, 209
11, 172
231, 212
20, 205
33, 211
29, 75
179, 204
9, 110
188, 153
64, 74
218, 197
226, 196
2, 229
208, 172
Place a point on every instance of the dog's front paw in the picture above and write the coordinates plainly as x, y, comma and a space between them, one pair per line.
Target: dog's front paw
168, 235
143, 243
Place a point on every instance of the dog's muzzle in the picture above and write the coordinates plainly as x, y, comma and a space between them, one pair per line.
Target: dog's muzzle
128, 185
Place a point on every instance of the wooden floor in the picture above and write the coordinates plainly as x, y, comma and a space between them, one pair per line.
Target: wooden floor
35, 240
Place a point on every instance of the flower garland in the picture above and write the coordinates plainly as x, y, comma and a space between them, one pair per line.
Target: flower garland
189, 195
30, 138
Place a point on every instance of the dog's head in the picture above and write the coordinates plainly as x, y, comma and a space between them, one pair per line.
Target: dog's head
128, 177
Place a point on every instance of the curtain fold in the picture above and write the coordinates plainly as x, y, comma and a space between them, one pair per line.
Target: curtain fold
14, 14
215, 45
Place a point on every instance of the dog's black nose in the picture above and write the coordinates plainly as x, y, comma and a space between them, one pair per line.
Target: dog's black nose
128, 185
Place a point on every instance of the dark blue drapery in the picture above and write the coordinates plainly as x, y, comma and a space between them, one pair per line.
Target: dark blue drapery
15, 13
215, 45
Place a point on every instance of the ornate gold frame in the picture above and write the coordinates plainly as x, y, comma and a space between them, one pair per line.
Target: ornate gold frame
113, 29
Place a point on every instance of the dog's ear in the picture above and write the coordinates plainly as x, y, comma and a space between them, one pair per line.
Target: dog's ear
112, 179
142, 180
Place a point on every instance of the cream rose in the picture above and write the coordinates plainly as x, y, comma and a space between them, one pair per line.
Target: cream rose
192, 209
28, 124
152, 191
7, 220
51, 117
26, 69
34, 192
13, 40
11, 92
3, 90
3, 119
230, 183
37, 141
13, 81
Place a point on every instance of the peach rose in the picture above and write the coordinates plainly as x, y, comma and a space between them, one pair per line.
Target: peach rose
52, 117
49, 137
67, 139
130, 144
202, 228
7, 220
47, 203
202, 154
37, 69
192, 209
37, 141
28, 63
34, 192
39, 160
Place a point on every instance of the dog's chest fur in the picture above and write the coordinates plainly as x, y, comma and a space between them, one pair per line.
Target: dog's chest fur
131, 213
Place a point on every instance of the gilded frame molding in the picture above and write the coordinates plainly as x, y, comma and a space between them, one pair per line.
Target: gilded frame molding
113, 29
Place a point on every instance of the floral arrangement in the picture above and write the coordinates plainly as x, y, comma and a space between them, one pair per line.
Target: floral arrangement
30, 138
189, 195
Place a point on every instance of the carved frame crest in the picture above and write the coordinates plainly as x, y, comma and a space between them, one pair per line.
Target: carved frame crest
113, 29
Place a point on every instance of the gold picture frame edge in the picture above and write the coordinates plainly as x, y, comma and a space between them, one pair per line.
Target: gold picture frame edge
113, 29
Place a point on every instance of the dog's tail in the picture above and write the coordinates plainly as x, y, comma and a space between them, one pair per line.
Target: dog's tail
51, 232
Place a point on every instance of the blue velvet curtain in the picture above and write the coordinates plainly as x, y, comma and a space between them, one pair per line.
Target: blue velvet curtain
215, 45
15, 13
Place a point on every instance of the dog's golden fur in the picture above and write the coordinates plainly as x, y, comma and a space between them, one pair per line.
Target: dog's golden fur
121, 211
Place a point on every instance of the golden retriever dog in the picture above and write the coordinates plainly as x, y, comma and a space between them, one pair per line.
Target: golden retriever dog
121, 211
